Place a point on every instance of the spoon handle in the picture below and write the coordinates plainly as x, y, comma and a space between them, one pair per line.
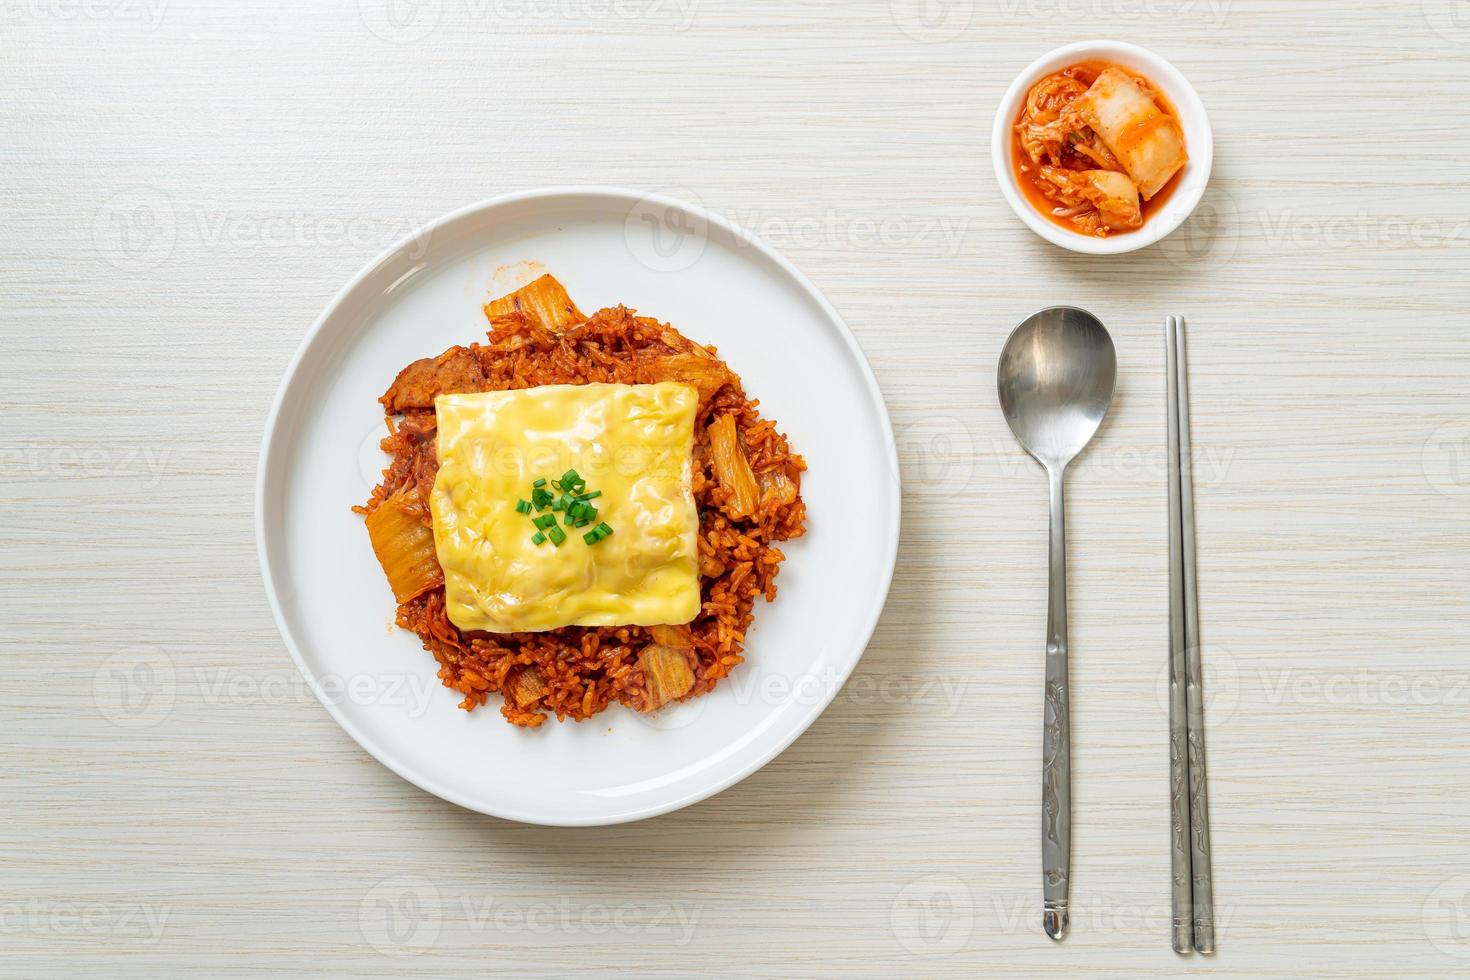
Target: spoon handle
1056, 747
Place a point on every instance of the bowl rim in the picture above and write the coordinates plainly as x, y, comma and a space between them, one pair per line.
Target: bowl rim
1192, 117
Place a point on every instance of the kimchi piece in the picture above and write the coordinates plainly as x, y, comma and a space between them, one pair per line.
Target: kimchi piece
1096, 149
544, 303
733, 468
404, 544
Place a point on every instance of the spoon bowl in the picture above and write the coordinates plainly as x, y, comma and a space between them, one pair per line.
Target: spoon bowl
1055, 382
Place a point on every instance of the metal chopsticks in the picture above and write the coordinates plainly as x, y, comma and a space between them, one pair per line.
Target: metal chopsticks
1183, 926
1193, 901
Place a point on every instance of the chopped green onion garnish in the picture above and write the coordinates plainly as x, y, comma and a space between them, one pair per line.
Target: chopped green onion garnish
572, 504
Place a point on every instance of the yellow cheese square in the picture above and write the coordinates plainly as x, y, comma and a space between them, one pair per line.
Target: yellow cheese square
633, 442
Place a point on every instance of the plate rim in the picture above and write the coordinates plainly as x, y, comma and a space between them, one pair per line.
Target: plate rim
633, 198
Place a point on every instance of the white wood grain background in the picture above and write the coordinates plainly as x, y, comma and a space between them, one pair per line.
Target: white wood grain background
186, 184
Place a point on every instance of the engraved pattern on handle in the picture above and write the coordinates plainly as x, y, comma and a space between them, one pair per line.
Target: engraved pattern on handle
1199, 807
1179, 844
1056, 749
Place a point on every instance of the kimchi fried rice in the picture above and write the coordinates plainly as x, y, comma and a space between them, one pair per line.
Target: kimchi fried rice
538, 337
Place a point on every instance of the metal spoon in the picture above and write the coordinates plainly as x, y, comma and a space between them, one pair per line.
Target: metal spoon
1056, 381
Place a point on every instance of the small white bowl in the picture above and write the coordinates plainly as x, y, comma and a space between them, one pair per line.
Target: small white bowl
1199, 142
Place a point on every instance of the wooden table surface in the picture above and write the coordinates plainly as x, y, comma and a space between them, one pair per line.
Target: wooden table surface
186, 184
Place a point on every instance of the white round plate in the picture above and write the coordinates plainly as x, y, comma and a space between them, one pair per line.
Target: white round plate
718, 286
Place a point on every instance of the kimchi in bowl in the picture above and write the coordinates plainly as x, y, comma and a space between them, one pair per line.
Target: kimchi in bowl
1169, 207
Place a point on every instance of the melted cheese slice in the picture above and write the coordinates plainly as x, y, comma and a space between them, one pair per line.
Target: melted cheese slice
633, 442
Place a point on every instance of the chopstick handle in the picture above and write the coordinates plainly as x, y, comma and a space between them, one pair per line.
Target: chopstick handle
1199, 825
1056, 750
1181, 888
